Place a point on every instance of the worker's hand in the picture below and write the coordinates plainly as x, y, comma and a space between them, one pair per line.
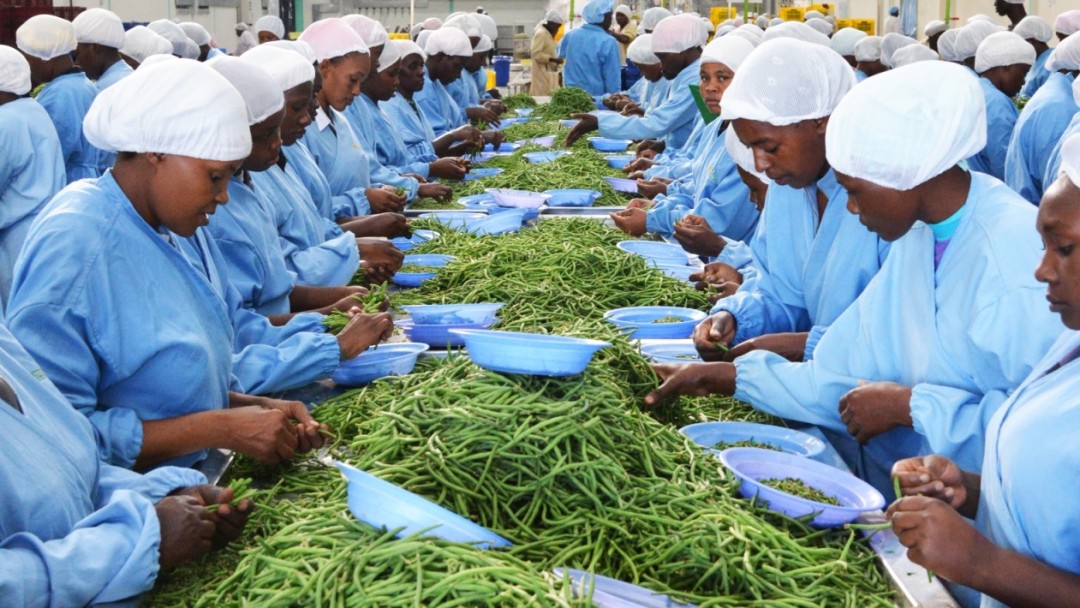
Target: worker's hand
495, 106
632, 109
640, 203
933, 476
379, 259
364, 331
586, 124
630, 221
387, 225
638, 165
713, 335
480, 113
939, 539
187, 530
875, 408
420, 179
495, 138
469, 135
697, 237
383, 200
715, 273
698, 379
657, 146
611, 102
790, 346
229, 519
263, 434
448, 168
436, 191
650, 188
309, 433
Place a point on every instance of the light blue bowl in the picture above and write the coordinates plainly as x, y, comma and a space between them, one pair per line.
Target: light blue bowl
569, 123
481, 173
378, 362
854, 494
539, 158
619, 161
708, 434
547, 141
492, 208
523, 353
677, 271
664, 253
620, 184
419, 237
476, 201
572, 197
448, 314
517, 199
605, 144
381, 504
415, 279
611, 593
638, 320
523, 111
455, 219
683, 352
482, 157
506, 146
439, 336
509, 220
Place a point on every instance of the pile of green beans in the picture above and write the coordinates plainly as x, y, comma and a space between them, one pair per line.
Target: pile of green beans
425, 204
797, 487
536, 128
566, 101
584, 168
520, 100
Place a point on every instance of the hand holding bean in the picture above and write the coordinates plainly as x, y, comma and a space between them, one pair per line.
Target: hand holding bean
187, 530
872, 409
382, 200
264, 434
697, 237
713, 335
650, 188
586, 123
940, 539
630, 221
698, 379
364, 331
933, 476
228, 518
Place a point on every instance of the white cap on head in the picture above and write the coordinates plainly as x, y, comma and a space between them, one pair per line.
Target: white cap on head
296, 46
171, 32
415, 30
191, 50
868, 49
786, 81
979, 17
742, 155
844, 40
946, 45
622, 9
640, 51
653, 16
774, 22
172, 107
408, 47
820, 25
289, 70
46, 37
1067, 23
141, 43
373, 32
449, 41
808, 15
272, 24
972, 35
553, 17
731, 51
1034, 27
891, 43
1066, 55
466, 22
762, 22
390, 55
912, 53
927, 117
934, 27
99, 26
724, 30
196, 33
750, 33
262, 95
677, 34
484, 45
1076, 91
1003, 49
488, 26
1070, 159
595, 10
422, 39
158, 58
332, 38
432, 23
14, 72
797, 31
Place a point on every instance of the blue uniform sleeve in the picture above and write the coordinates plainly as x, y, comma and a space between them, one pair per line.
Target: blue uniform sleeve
110, 555
657, 123
351, 203
1000, 121
726, 206
797, 391
662, 216
154, 485
329, 264
611, 66
388, 177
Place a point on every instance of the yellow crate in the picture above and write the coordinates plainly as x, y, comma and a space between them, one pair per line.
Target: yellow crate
824, 9
722, 13
398, 36
842, 23
792, 13
865, 25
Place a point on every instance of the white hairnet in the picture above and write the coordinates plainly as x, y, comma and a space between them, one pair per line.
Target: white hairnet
390, 55
979, 17
912, 53
927, 117
46, 37
1070, 159
724, 30
762, 22
99, 26
415, 30
1066, 55
159, 58
868, 49
466, 22
553, 17
171, 32
14, 72
449, 41
946, 45
262, 95
408, 47
731, 51
678, 33
172, 107
742, 155
243, 27
422, 39
1067, 23
640, 51
831, 20
595, 10
797, 31
891, 43
373, 32
971, 36
296, 46
488, 26
331, 38
622, 8
1034, 27
652, 16
484, 45
196, 33
775, 21
843, 41
287, 69
820, 25
934, 27
140, 42
191, 50
432, 23
750, 33
808, 15
1002, 49
272, 24
1076, 91
709, 27
786, 81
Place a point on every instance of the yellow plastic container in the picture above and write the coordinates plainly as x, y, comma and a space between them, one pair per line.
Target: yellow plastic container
865, 25
842, 23
722, 13
490, 80
398, 36
792, 13
824, 9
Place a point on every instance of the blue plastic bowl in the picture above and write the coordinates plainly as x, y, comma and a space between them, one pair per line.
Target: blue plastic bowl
509, 220
517, 199
547, 141
524, 111
683, 352
381, 504
618, 161
476, 202
415, 279
439, 336
620, 184
604, 144
538, 158
454, 219
481, 173
506, 146
677, 271
569, 123
611, 593
419, 237
638, 320
492, 208
752, 464
515, 352
708, 434
664, 253
377, 362
482, 157
572, 197
448, 314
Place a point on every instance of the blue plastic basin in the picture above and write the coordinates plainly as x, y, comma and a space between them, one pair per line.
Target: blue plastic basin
752, 464
547, 156
523, 353
604, 144
482, 172
444, 314
621, 184
415, 279
418, 237
509, 220
476, 202
517, 199
654, 250
708, 434
683, 352
378, 362
638, 321
678, 271
618, 161
506, 146
547, 141
611, 593
572, 197
524, 111
569, 123
454, 219
439, 336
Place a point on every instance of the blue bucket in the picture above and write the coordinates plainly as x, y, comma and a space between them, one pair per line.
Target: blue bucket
502, 70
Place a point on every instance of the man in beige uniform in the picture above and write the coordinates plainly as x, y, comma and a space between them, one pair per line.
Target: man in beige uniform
545, 62
624, 30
